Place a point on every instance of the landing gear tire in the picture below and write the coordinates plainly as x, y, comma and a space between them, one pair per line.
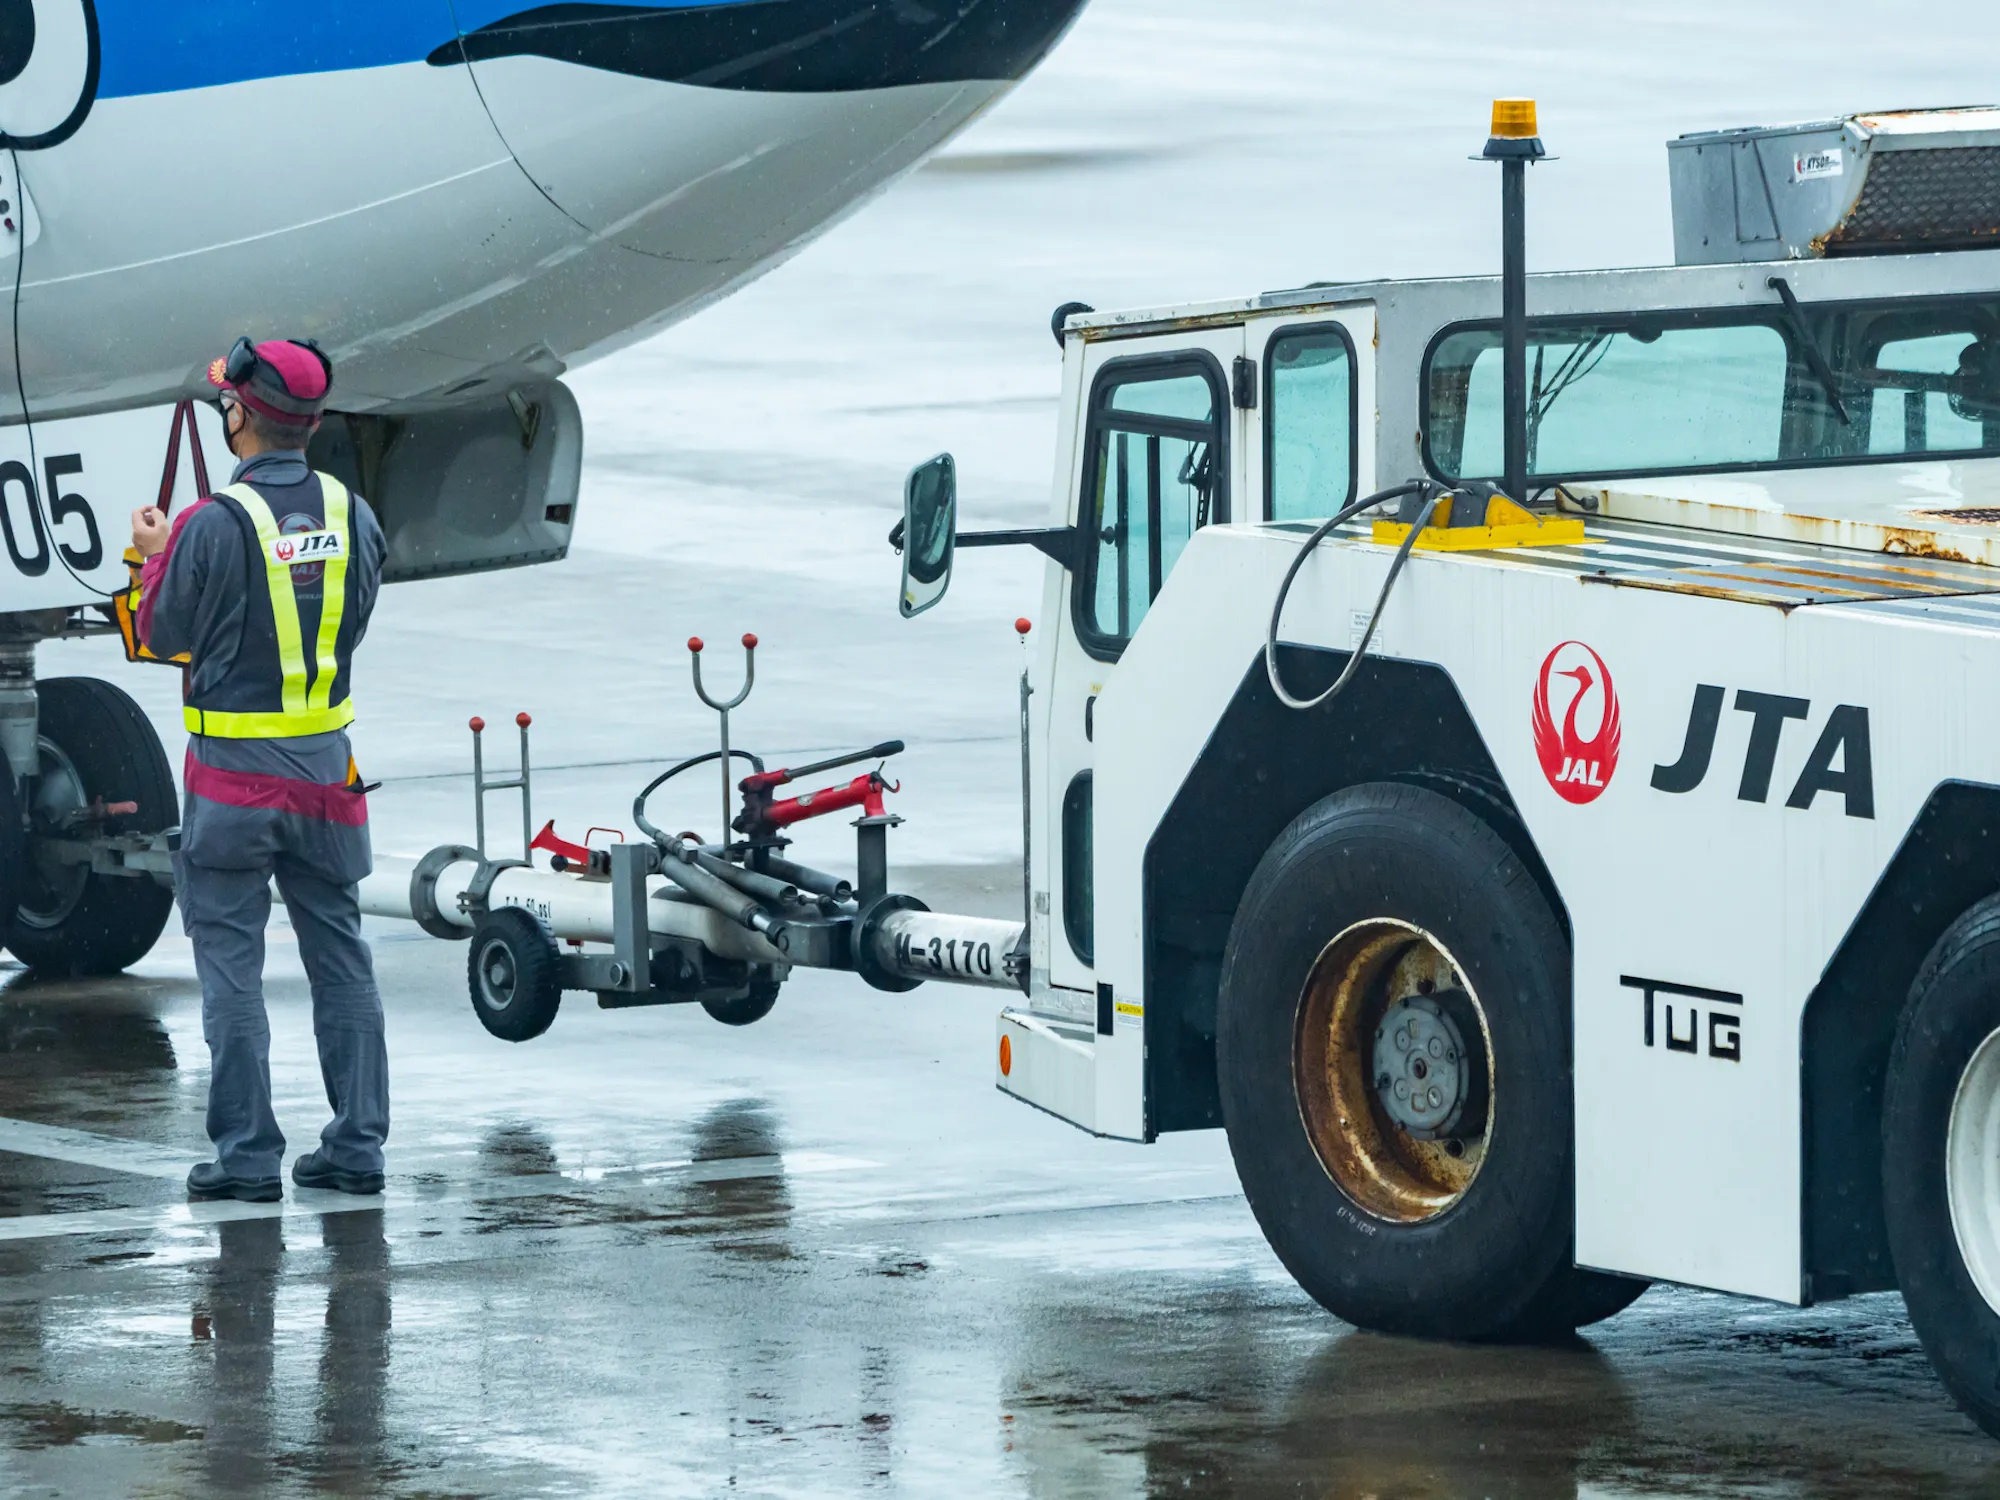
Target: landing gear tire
748, 1009
1940, 1171
1394, 1056
95, 744
13, 848
514, 972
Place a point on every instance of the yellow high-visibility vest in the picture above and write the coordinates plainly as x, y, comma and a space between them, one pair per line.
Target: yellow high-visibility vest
307, 687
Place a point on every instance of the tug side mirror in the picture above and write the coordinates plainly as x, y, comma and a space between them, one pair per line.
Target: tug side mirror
929, 538
928, 534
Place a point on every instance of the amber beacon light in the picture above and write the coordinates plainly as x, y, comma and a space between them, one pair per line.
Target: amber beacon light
1515, 143
1514, 120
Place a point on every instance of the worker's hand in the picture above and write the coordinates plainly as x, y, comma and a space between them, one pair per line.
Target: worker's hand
149, 530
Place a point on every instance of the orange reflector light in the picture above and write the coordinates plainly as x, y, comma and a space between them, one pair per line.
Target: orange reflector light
1006, 1057
1514, 119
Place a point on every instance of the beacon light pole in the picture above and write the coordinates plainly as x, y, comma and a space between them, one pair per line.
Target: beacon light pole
1514, 143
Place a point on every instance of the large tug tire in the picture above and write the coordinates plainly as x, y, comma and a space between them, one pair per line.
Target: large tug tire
1393, 1046
95, 743
1941, 1160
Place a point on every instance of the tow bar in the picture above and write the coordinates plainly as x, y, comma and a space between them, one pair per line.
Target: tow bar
719, 923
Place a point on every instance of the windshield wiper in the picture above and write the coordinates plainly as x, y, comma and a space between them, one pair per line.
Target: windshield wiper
1815, 361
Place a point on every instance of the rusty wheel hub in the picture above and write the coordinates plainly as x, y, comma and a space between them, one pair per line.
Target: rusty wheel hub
1393, 1067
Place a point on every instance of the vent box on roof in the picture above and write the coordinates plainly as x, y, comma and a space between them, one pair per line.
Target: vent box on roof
1925, 179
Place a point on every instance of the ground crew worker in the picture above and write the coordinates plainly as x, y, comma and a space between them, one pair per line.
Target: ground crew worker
269, 584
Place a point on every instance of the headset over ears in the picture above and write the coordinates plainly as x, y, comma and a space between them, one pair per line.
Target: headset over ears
244, 360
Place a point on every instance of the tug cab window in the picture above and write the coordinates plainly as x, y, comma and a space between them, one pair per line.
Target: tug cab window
1725, 388
1309, 423
1935, 393
1155, 474
1614, 398
1078, 872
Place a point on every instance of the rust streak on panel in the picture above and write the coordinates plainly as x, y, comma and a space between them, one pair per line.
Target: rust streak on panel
1901, 542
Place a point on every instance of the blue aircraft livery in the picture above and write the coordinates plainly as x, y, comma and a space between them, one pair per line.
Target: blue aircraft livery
784, 46
806, 46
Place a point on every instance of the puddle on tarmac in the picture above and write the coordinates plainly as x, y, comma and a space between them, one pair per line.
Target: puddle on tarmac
51, 1424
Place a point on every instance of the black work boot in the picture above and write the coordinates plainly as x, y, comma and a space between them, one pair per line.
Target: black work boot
312, 1171
212, 1180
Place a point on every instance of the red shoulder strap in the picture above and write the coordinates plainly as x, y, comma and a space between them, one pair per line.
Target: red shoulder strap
184, 411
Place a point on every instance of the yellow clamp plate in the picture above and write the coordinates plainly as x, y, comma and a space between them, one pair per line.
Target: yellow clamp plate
1507, 525
1561, 533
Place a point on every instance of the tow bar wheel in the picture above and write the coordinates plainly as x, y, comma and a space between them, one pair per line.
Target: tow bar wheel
1392, 1051
1394, 1071
514, 972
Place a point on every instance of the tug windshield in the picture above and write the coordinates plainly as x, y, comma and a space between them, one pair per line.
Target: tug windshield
1724, 389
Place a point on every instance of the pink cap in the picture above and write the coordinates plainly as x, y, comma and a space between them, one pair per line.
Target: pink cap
288, 383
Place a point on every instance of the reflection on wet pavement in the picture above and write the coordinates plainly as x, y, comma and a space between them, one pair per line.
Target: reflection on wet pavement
347, 1452
751, 1212
236, 1318
112, 1025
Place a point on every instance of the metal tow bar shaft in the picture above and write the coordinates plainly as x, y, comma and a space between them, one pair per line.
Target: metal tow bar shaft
920, 945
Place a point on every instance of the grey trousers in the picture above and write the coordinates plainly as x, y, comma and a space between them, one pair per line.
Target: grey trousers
224, 912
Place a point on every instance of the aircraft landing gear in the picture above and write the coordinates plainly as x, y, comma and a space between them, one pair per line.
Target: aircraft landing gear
85, 905
13, 846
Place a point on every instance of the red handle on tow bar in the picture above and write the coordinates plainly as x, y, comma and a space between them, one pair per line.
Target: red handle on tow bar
574, 856
864, 792
765, 781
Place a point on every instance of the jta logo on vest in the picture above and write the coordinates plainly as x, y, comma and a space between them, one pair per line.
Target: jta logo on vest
1843, 739
306, 547
1579, 757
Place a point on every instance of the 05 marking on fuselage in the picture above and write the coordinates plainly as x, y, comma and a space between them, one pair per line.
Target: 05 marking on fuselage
24, 532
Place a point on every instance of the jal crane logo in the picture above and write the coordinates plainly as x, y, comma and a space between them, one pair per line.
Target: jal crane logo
1579, 757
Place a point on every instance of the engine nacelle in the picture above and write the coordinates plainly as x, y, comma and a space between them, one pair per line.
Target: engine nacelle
466, 488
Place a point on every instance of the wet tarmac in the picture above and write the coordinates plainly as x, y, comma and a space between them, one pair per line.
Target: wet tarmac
650, 1255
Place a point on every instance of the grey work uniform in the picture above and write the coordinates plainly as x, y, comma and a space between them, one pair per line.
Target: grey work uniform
261, 806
